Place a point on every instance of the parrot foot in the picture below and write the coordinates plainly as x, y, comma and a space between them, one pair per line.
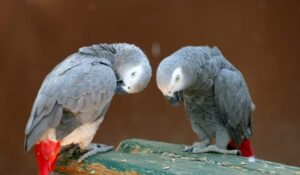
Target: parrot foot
214, 148
198, 145
94, 149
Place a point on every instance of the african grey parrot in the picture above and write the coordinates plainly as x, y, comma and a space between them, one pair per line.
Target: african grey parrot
74, 98
216, 98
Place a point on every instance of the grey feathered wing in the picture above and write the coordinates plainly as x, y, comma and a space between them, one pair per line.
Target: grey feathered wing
234, 103
77, 91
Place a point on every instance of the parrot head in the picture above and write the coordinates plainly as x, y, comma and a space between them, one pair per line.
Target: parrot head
132, 69
171, 87
172, 79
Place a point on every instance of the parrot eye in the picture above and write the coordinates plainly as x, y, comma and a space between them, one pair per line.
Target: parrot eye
177, 78
133, 74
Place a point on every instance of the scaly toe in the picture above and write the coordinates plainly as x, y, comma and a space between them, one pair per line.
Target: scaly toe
197, 150
94, 149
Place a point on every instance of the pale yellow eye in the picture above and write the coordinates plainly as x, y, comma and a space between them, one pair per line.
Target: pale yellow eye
177, 78
133, 74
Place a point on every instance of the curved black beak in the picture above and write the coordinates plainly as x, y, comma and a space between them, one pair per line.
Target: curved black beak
175, 99
120, 88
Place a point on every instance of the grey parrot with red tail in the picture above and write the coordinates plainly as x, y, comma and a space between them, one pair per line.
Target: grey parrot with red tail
75, 96
216, 99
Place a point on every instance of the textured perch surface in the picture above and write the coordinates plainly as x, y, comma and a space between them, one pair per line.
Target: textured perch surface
136, 156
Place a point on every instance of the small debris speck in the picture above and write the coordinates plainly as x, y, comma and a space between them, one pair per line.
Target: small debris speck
225, 164
243, 163
237, 167
261, 170
165, 167
279, 167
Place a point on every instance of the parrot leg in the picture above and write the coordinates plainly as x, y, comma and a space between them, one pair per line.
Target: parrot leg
205, 140
216, 149
94, 149
72, 150
69, 148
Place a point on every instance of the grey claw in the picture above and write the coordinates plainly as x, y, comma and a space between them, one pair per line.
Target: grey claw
106, 148
187, 148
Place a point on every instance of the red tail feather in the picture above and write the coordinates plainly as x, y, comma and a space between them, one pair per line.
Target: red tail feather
46, 154
245, 147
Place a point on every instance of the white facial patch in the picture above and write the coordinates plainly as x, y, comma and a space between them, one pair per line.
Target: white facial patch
132, 76
176, 82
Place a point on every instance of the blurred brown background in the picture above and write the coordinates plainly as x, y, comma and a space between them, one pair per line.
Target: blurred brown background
260, 37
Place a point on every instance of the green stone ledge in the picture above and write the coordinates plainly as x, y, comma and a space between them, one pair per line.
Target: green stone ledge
137, 156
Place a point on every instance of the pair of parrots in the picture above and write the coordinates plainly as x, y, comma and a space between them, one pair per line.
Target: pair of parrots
76, 94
